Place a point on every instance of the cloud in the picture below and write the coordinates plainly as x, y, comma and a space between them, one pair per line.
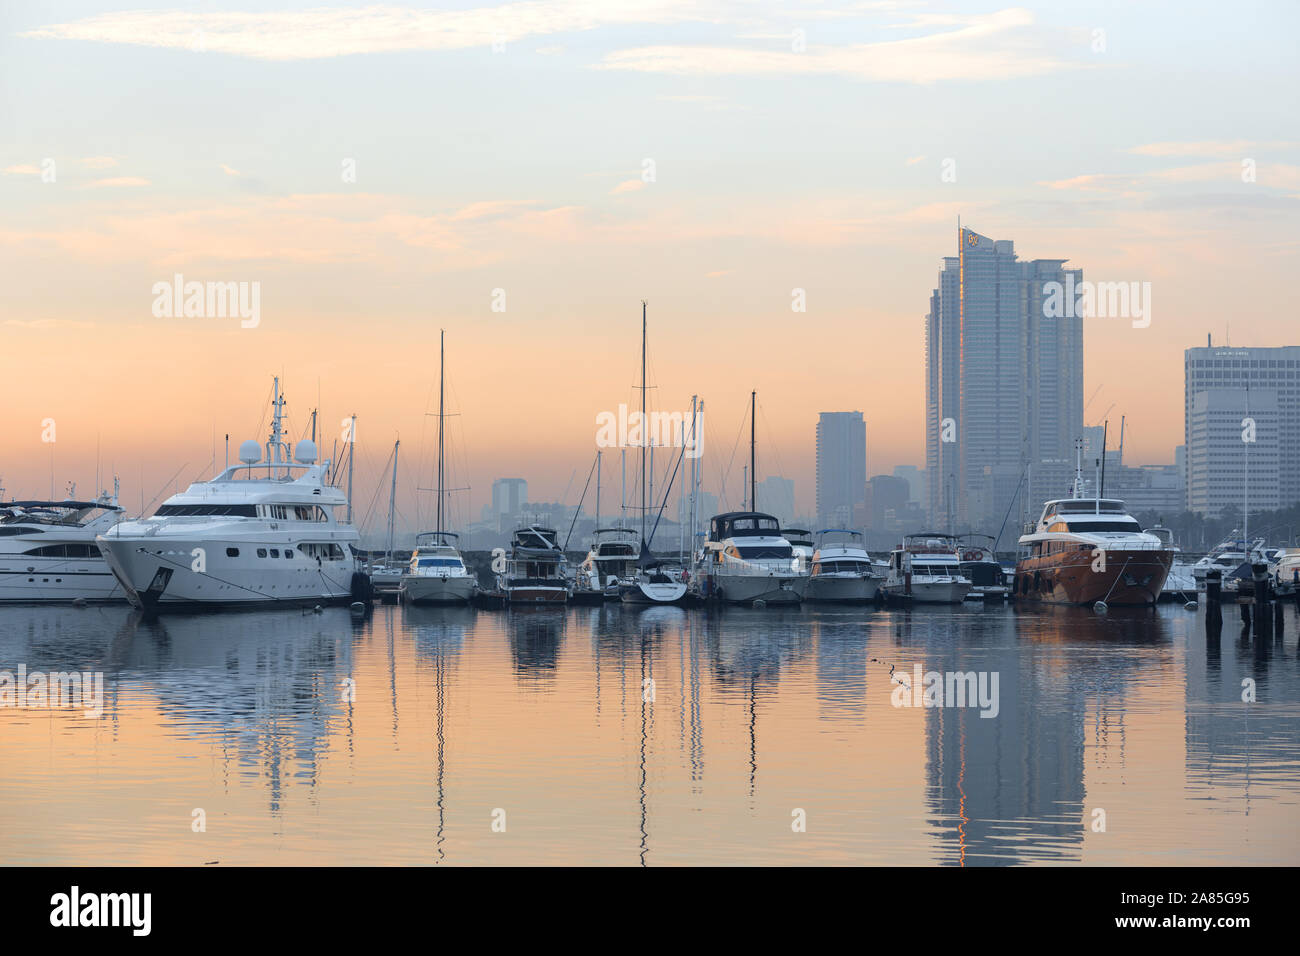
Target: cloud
627, 186
1235, 147
116, 182
329, 32
98, 162
914, 160
1000, 45
229, 171
27, 169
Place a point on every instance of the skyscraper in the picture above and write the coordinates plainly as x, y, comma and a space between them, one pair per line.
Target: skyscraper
841, 467
1242, 415
1004, 385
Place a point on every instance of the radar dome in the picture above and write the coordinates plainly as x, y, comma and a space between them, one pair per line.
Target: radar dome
250, 452
305, 452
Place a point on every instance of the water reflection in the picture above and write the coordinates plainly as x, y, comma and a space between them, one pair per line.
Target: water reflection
617, 734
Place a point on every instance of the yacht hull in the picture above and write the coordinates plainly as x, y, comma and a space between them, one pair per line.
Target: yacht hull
748, 588
536, 595
642, 592
57, 581
848, 590
161, 576
1130, 578
930, 592
437, 589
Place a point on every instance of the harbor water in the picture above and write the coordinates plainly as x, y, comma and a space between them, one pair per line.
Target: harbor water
617, 735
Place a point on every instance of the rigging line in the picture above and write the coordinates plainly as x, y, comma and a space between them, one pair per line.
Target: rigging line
577, 511
163, 488
726, 476
668, 490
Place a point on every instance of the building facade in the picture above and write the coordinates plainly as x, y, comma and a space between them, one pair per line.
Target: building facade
1241, 414
1004, 385
841, 467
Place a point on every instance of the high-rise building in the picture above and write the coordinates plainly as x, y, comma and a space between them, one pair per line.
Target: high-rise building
509, 496
1242, 415
1004, 384
776, 498
841, 467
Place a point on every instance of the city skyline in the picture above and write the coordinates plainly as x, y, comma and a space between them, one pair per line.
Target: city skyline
717, 232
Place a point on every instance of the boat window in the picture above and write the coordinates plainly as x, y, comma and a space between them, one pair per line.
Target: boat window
193, 511
232, 552
275, 552
288, 552
1130, 526
760, 552
261, 552
439, 563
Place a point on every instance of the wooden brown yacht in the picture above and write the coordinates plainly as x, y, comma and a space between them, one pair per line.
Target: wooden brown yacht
1090, 551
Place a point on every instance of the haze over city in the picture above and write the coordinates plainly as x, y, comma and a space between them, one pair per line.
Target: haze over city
580, 160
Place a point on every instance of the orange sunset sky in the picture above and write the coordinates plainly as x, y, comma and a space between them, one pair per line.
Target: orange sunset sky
506, 147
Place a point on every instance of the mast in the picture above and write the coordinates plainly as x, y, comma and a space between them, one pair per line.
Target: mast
352, 446
644, 437
1101, 482
622, 498
273, 444
1245, 488
753, 468
392, 502
442, 361
598, 489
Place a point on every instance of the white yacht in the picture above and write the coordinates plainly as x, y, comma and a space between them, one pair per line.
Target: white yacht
1227, 557
926, 569
48, 551
260, 533
610, 563
746, 559
437, 574
842, 569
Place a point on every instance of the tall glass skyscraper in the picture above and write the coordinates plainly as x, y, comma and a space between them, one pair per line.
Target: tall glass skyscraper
841, 467
1004, 396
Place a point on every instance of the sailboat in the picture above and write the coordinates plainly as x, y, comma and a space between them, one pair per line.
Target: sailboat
746, 558
651, 585
437, 572
387, 577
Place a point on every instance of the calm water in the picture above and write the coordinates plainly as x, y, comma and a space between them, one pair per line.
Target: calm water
537, 719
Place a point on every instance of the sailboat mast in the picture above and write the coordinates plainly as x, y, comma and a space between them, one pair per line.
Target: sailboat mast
597, 489
392, 500
442, 363
352, 445
753, 468
644, 441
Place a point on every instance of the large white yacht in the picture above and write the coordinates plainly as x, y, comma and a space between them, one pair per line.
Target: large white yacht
746, 560
260, 533
48, 551
842, 569
536, 570
927, 570
437, 574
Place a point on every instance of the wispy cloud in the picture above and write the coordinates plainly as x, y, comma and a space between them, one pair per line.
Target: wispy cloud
1000, 45
25, 169
329, 32
1219, 147
228, 170
116, 182
627, 186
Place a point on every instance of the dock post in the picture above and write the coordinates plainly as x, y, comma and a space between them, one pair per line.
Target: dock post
1213, 608
1263, 620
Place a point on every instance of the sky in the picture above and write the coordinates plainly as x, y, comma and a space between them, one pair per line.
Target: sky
523, 175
